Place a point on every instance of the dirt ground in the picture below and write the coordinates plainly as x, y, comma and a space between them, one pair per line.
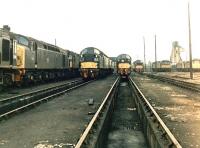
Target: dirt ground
58, 123
179, 109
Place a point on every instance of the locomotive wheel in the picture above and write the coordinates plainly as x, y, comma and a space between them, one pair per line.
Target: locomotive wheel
7, 80
18, 84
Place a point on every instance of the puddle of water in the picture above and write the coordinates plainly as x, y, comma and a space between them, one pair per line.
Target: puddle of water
175, 118
131, 109
178, 95
196, 104
166, 88
158, 108
2, 142
169, 108
182, 101
123, 84
177, 108
45, 144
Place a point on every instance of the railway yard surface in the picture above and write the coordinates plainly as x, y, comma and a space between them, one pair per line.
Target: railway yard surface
184, 76
179, 108
57, 123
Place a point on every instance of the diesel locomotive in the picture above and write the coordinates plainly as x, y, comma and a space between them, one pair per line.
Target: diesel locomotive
138, 66
94, 63
162, 66
24, 59
124, 65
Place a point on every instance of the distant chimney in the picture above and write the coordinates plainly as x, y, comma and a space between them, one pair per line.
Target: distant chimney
6, 28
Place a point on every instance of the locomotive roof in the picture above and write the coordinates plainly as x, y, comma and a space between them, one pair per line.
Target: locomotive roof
137, 61
113, 59
196, 59
15, 36
165, 61
92, 49
124, 56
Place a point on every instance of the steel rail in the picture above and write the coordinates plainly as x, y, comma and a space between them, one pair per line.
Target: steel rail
42, 99
95, 117
37, 91
168, 132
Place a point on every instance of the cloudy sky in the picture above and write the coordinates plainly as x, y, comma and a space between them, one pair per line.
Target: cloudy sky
113, 26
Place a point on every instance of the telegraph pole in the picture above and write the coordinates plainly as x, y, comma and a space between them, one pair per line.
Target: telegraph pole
55, 41
144, 55
155, 55
190, 43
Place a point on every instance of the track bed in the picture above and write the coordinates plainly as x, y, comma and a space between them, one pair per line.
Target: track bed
125, 129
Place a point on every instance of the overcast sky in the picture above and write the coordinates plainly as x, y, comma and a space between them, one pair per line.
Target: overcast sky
113, 26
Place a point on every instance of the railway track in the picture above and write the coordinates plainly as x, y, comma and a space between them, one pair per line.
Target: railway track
179, 83
8, 89
11, 105
155, 131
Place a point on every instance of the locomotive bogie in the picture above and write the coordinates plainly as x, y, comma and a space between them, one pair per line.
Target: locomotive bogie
89, 73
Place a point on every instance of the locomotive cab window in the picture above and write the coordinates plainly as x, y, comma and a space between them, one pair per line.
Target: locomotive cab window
45, 46
22, 40
5, 50
96, 51
84, 51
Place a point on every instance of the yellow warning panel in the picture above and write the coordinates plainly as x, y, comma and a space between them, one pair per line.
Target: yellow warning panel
20, 53
124, 65
88, 65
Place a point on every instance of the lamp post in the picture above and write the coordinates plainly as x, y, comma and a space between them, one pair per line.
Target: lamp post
190, 43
